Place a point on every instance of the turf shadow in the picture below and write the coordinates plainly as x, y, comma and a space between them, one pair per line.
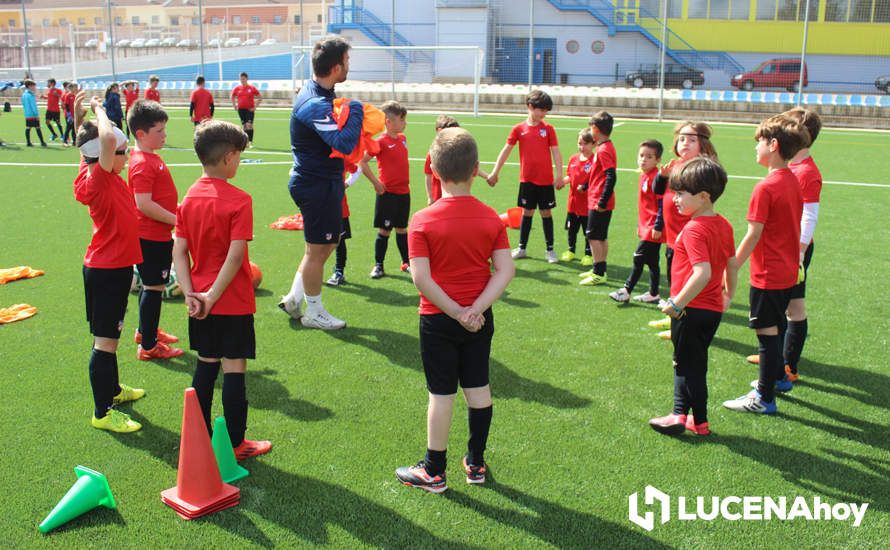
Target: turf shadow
99, 516
381, 295
518, 302
157, 441
557, 525
267, 393
551, 277
855, 429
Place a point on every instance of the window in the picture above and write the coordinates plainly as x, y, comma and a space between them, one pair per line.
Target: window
739, 9
255, 19
297, 19
787, 10
81, 20
63, 22
766, 10
698, 9
134, 20
97, 20
882, 11
572, 46
814, 10
217, 20
789, 68
196, 21
12, 23
277, 20
860, 11
46, 22
318, 18
118, 21
720, 9
155, 19
236, 19
174, 20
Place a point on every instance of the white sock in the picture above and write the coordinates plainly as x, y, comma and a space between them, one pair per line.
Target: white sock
296, 289
313, 305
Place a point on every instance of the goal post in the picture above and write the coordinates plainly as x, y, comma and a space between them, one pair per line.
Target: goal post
403, 68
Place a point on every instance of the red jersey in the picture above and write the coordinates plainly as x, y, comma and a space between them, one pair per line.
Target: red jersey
245, 95
147, 173
212, 215
705, 239
345, 207
392, 164
647, 207
130, 96
458, 235
578, 171
435, 185
203, 100
53, 96
535, 165
777, 203
115, 241
604, 158
68, 103
810, 179
153, 94
674, 221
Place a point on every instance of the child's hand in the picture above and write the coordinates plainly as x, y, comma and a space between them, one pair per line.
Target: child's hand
379, 188
656, 234
95, 102
193, 305
492, 179
670, 309
471, 320
206, 301
582, 188
727, 301
560, 183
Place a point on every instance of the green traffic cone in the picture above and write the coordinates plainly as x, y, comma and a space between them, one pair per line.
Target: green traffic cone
90, 490
229, 469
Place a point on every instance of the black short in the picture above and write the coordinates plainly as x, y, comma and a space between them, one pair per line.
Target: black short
345, 229
246, 115
106, 292
598, 225
218, 336
692, 335
32, 123
533, 196
321, 204
800, 290
156, 259
453, 355
768, 307
575, 220
53, 115
392, 211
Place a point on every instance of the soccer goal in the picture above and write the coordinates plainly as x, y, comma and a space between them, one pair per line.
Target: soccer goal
405, 69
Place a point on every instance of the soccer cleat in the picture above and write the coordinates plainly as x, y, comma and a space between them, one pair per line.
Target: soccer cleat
551, 257
292, 307
585, 274
377, 272
782, 386
417, 476
247, 449
567, 256
128, 394
665, 334
672, 424
336, 279
593, 280
754, 359
647, 298
751, 402
518, 253
160, 351
790, 374
116, 421
322, 320
587, 260
164, 337
661, 323
475, 474
405, 267
620, 295
697, 429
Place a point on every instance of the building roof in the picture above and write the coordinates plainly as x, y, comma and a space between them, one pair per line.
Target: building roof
87, 4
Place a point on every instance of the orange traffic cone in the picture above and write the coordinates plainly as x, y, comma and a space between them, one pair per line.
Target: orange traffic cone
199, 488
514, 217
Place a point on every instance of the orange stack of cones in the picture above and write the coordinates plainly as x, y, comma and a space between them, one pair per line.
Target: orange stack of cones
199, 487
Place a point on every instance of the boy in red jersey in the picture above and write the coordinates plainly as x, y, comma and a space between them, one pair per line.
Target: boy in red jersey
773, 243
577, 175
152, 92
703, 284
156, 198
200, 103
245, 100
433, 185
600, 196
213, 224
649, 227
108, 263
130, 89
537, 146
68, 108
53, 98
454, 245
393, 204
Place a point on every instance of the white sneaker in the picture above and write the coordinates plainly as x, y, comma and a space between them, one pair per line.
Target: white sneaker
620, 295
518, 253
551, 257
322, 320
647, 298
291, 307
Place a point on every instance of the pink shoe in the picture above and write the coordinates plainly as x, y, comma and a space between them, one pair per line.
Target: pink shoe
697, 429
672, 424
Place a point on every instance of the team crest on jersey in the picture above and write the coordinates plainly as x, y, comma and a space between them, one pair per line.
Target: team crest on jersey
645, 186
542, 132
587, 168
165, 273
328, 236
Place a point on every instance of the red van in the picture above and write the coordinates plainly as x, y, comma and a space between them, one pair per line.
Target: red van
775, 73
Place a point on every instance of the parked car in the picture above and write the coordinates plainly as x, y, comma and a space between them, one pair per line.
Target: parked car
169, 41
774, 73
268, 42
883, 83
152, 42
675, 76
91, 43
185, 43
123, 43
232, 42
138, 43
249, 42
213, 43
51, 43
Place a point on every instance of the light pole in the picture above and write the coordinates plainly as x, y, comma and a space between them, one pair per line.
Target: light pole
111, 38
25, 45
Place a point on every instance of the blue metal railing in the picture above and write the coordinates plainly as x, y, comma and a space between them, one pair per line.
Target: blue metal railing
380, 32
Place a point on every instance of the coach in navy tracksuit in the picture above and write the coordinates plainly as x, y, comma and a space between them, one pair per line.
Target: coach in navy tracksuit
316, 182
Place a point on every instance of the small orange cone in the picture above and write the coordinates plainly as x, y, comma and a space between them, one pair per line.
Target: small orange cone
199, 488
514, 217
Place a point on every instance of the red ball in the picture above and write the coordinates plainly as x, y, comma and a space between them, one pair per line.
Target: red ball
256, 275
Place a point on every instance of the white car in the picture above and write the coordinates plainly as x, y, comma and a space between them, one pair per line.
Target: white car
138, 43
91, 43
268, 42
232, 42
214, 43
123, 43
185, 43
152, 43
249, 42
169, 41
50, 43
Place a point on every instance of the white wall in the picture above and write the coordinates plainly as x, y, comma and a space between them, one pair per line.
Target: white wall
460, 27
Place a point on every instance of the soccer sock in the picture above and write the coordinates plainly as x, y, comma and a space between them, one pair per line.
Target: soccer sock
681, 398
587, 251
669, 257
296, 288
40, 135
149, 317
114, 383
795, 337
572, 227
340, 263
28, 136
402, 243
203, 381
480, 422
635, 274
102, 367
599, 268
234, 398
525, 229
548, 232
434, 462
313, 305
52, 132
654, 274
249, 135
770, 365
697, 391
380, 246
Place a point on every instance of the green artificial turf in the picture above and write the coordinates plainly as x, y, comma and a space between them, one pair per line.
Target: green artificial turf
575, 377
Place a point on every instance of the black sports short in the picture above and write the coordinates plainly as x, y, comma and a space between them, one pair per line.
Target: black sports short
321, 204
345, 229
246, 115
156, 259
452, 355
533, 196
392, 211
53, 115
574, 220
598, 225
692, 335
768, 307
106, 292
32, 123
218, 336
800, 290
